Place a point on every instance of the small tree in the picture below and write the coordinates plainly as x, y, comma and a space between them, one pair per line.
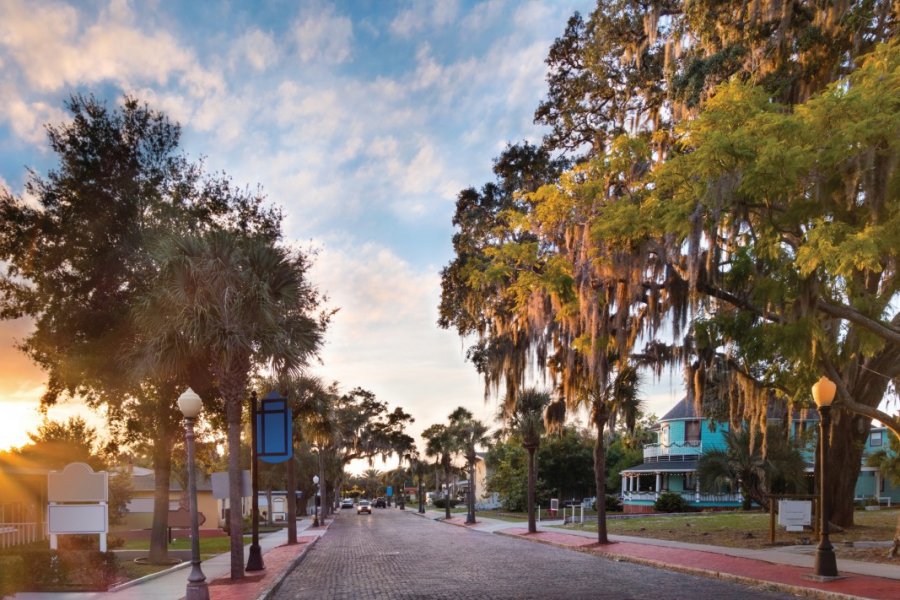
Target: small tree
525, 416
469, 433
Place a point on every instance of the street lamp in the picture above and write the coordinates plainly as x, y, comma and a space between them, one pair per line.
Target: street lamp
190, 405
316, 502
823, 395
254, 558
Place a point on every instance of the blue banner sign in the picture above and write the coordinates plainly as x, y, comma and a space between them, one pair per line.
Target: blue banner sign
273, 427
390, 491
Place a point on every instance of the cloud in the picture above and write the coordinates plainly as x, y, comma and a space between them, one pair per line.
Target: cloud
255, 48
323, 36
483, 15
422, 15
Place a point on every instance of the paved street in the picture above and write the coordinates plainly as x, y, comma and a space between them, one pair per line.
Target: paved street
394, 554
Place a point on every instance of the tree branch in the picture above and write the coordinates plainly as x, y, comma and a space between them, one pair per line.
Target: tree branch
845, 312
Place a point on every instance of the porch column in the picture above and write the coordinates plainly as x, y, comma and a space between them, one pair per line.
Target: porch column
696, 487
624, 483
877, 484
658, 483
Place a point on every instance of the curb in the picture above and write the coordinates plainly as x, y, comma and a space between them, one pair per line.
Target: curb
270, 591
759, 583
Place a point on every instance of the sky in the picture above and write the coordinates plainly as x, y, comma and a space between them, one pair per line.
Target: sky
362, 120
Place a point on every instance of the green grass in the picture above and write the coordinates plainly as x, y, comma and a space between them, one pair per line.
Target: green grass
214, 545
742, 529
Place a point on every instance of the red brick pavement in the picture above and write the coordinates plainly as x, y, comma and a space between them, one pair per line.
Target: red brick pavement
718, 565
277, 561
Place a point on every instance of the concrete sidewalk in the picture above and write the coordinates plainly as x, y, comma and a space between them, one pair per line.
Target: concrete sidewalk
785, 568
170, 584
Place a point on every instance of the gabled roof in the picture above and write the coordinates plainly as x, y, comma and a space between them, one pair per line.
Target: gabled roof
685, 410
682, 410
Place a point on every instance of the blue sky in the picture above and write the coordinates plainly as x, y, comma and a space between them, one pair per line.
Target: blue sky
363, 120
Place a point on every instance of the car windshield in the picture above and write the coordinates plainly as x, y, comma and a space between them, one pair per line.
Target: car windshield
364, 502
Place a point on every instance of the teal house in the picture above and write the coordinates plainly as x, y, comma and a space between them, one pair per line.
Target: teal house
670, 464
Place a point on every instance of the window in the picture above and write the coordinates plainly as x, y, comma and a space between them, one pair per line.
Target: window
876, 439
692, 431
664, 435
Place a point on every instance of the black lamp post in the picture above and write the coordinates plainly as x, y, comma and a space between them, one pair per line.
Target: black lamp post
190, 405
316, 502
254, 559
823, 395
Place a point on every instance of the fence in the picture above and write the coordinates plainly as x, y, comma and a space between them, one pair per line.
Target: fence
17, 534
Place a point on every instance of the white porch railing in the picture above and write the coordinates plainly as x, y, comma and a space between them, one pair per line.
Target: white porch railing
687, 495
17, 534
675, 448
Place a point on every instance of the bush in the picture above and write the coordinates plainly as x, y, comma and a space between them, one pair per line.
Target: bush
613, 504
55, 571
440, 503
670, 502
11, 573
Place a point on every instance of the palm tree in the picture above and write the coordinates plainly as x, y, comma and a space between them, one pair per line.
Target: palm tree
607, 404
524, 415
469, 433
441, 445
236, 301
418, 468
743, 466
373, 479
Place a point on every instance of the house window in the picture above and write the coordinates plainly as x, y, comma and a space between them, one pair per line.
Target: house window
692, 431
664, 435
876, 439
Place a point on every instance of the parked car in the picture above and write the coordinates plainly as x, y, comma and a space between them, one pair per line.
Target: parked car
380, 503
347, 503
364, 506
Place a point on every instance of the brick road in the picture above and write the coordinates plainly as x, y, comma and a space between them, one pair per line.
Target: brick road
396, 554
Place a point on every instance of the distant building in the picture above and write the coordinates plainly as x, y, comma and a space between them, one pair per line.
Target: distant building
670, 464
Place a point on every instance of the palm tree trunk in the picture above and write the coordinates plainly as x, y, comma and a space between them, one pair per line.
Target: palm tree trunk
291, 502
532, 483
162, 472
600, 478
470, 518
447, 495
233, 407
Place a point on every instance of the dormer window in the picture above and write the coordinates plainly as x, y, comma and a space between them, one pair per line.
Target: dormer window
876, 439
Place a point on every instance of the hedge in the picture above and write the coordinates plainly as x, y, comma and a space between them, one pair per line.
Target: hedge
56, 571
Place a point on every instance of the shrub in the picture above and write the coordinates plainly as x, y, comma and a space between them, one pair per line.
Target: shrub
613, 504
440, 503
671, 502
51, 570
11, 572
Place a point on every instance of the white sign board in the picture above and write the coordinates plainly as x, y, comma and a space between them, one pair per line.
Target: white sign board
78, 518
794, 514
219, 482
77, 482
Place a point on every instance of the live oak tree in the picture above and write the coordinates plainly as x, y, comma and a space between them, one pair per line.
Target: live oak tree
76, 250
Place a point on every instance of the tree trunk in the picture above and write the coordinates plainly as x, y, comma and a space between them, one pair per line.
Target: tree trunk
532, 483
447, 495
323, 489
162, 473
269, 516
848, 436
470, 517
600, 419
291, 501
233, 406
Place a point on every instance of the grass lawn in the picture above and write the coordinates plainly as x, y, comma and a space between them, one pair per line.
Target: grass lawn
751, 530
208, 546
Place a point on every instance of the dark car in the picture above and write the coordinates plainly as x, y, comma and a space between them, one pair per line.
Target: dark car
380, 503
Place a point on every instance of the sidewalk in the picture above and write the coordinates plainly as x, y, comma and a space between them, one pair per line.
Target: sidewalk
278, 558
784, 568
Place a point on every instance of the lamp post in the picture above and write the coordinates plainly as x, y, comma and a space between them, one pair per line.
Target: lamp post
316, 502
823, 395
254, 559
190, 404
